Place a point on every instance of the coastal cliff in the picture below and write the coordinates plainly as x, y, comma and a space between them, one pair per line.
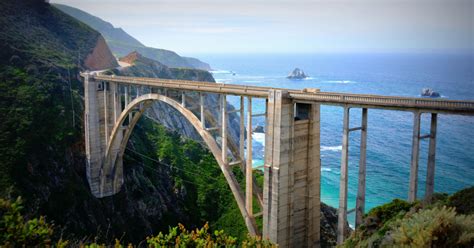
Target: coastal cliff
121, 43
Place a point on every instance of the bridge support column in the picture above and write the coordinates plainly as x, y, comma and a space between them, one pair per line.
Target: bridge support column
342, 211
360, 203
431, 159
292, 173
414, 158
100, 112
201, 110
223, 105
248, 163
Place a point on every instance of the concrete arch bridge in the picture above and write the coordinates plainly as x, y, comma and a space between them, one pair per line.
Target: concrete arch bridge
292, 169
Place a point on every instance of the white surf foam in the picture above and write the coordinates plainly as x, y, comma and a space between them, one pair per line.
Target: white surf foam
259, 137
340, 82
331, 148
220, 72
222, 81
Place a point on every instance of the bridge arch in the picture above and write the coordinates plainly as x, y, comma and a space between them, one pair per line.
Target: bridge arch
118, 139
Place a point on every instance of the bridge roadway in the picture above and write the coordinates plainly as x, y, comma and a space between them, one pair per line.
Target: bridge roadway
428, 105
291, 192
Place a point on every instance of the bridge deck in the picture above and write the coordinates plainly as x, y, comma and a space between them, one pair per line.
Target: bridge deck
430, 105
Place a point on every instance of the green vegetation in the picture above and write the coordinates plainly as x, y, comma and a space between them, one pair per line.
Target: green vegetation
41, 52
437, 227
463, 201
444, 223
17, 230
194, 171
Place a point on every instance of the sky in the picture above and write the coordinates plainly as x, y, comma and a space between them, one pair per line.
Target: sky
298, 26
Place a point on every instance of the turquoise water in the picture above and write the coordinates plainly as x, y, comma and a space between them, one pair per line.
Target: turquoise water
389, 132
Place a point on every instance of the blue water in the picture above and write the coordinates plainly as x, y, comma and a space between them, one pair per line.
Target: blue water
389, 132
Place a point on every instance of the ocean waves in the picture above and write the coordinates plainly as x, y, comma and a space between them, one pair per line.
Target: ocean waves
340, 82
331, 148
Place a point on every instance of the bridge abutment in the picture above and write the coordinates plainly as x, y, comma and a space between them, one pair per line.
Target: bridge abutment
101, 112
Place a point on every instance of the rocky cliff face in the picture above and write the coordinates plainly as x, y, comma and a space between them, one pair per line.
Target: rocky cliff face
100, 58
161, 112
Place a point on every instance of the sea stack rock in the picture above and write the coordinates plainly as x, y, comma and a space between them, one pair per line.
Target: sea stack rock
259, 129
429, 92
297, 73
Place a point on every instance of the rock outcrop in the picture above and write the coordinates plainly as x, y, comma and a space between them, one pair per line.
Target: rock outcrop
101, 58
259, 129
329, 226
429, 92
297, 73
166, 115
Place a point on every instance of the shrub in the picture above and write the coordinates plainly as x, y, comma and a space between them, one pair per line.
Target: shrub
180, 237
16, 231
257, 241
463, 201
387, 211
437, 227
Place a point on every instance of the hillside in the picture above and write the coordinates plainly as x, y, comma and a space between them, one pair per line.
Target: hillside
121, 43
42, 51
146, 67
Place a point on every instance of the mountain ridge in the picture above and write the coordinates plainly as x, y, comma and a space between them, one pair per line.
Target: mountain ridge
121, 43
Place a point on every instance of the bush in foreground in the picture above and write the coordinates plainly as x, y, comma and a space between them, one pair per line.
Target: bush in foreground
403, 224
17, 231
437, 227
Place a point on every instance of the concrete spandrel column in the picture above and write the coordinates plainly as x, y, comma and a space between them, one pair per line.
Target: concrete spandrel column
414, 158
360, 203
430, 171
342, 211
248, 164
223, 106
267, 170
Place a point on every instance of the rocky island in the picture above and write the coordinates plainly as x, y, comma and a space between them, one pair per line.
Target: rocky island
429, 92
297, 73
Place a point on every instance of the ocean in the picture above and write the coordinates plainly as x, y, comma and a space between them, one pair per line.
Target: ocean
389, 132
